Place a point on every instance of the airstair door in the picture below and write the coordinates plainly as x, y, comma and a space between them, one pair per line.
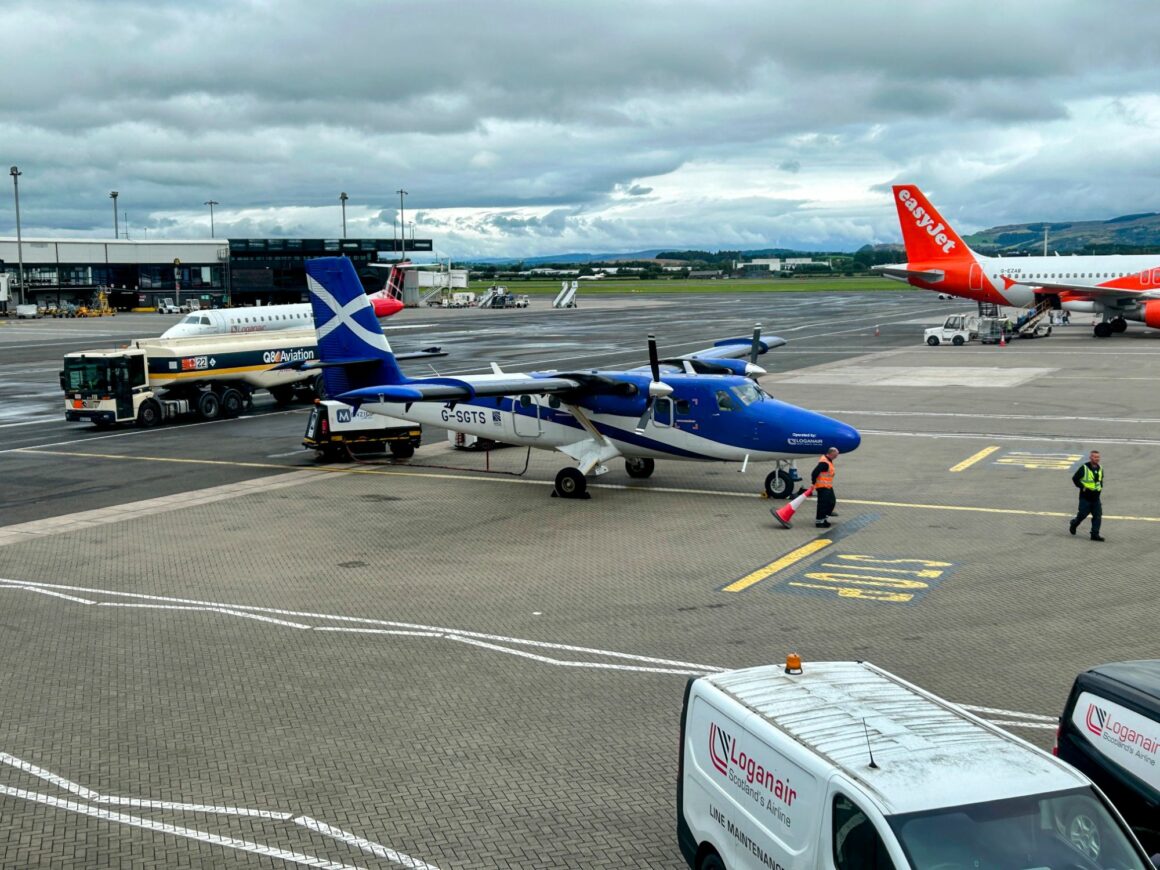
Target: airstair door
526, 417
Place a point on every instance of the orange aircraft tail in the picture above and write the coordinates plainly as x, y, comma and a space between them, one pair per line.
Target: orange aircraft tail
925, 234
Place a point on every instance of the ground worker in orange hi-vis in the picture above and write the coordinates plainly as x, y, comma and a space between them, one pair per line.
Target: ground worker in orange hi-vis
823, 479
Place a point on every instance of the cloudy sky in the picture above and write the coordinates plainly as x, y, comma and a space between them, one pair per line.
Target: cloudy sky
533, 127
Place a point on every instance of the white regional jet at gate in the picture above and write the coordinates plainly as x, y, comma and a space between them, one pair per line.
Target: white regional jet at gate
1117, 287
267, 318
701, 406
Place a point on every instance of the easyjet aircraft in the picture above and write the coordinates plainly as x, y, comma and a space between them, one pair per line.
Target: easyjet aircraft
267, 318
1117, 288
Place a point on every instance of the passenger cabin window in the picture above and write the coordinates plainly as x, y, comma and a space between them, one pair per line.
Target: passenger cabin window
724, 403
857, 844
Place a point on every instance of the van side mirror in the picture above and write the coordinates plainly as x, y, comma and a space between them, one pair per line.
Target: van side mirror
63, 383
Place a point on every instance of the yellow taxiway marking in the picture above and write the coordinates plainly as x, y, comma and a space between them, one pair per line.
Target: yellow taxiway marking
468, 474
791, 558
967, 463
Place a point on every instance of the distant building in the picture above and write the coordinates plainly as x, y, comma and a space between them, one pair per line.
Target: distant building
140, 273
777, 264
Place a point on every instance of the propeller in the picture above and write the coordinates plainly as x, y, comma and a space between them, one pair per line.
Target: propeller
753, 370
656, 388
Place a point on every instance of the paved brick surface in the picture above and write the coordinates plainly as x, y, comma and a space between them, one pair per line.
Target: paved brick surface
230, 685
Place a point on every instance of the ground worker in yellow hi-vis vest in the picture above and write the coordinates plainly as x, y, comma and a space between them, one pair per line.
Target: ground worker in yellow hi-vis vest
823, 480
1090, 482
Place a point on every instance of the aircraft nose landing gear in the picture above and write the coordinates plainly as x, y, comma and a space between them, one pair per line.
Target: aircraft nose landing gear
571, 483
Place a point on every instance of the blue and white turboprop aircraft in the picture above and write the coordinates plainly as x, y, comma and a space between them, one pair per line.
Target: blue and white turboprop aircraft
701, 406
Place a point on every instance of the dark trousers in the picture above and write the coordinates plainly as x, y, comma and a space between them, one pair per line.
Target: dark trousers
827, 501
1089, 506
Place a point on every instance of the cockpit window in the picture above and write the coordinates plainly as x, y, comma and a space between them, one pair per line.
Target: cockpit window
724, 402
192, 318
205, 321
747, 394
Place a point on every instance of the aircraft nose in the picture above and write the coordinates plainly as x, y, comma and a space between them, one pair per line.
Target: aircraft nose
845, 438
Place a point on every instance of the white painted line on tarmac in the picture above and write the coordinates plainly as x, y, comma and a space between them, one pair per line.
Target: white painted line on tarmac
996, 711
991, 436
175, 830
492, 642
1049, 418
368, 846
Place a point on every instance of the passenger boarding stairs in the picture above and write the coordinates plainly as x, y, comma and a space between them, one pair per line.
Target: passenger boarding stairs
1028, 323
488, 298
430, 295
566, 298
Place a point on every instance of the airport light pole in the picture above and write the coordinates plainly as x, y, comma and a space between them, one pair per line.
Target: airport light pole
342, 198
211, 203
116, 228
402, 226
16, 173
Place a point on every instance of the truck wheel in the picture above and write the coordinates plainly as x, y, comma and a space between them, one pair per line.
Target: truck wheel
402, 450
209, 407
571, 483
957, 341
319, 387
712, 861
639, 468
149, 414
933, 341
232, 402
778, 484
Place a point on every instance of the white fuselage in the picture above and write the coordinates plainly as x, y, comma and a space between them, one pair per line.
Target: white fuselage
1018, 278
239, 321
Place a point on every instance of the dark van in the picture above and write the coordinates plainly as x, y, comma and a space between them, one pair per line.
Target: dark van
1110, 730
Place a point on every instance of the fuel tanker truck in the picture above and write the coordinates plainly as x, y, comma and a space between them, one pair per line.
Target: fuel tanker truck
155, 380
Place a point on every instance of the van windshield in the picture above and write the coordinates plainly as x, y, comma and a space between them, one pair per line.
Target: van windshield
1071, 829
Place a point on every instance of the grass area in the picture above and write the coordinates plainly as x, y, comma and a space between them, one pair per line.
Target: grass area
607, 286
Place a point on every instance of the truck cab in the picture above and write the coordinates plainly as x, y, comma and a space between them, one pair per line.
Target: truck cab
957, 329
104, 387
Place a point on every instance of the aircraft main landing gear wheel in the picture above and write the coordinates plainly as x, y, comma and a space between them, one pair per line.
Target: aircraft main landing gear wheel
1119, 325
639, 468
778, 484
571, 483
1103, 329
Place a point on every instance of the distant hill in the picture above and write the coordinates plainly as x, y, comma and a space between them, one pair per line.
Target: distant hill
1130, 233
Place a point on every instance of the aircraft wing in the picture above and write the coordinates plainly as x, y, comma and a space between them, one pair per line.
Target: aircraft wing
901, 273
462, 389
1091, 291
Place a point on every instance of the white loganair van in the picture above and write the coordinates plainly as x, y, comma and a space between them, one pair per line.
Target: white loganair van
843, 765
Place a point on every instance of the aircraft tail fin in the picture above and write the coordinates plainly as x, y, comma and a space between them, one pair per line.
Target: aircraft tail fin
351, 345
926, 235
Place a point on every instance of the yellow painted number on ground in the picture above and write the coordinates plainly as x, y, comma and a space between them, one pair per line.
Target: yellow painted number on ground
873, 578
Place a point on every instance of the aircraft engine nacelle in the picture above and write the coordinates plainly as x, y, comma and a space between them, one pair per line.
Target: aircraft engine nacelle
1152, 313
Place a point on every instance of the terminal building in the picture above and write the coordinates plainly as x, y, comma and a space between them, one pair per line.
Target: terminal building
216, 272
